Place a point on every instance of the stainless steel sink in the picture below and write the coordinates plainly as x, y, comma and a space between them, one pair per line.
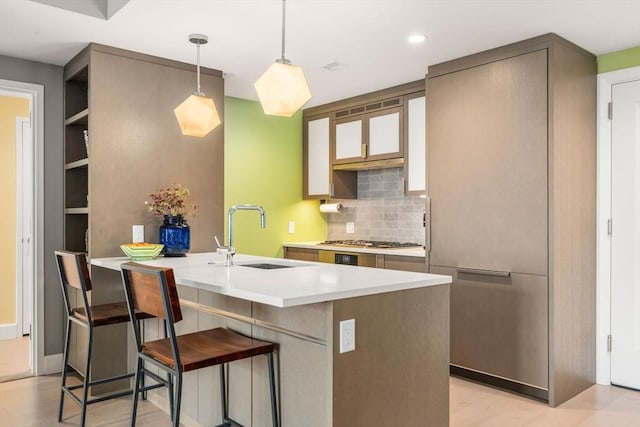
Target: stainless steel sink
265, 266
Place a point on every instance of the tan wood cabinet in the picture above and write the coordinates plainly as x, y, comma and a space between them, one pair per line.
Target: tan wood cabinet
124, 101
319, 181
372, 136
511, 181
364, 132
301, 254
405, 263
389, 262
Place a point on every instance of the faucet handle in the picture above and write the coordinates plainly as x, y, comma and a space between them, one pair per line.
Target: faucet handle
228, 251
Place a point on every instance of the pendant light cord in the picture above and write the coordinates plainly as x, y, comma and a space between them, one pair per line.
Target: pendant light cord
284, 8
198, 70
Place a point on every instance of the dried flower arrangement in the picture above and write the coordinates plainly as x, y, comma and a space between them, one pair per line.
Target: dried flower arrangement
172, 201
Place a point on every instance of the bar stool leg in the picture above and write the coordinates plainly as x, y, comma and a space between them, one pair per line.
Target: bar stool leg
136, 391
223, 394
272, 386
64, 369
178, 394
87, 377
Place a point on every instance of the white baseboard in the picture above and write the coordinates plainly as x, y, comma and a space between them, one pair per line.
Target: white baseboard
53, 364
8, 331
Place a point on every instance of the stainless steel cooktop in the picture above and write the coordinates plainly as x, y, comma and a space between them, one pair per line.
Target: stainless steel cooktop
370, 244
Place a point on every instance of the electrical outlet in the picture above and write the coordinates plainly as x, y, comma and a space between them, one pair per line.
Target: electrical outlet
351, 227
137, 234
347, 335
292, 227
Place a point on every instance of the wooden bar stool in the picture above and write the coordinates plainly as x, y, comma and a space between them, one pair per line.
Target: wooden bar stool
153, 290
74, 273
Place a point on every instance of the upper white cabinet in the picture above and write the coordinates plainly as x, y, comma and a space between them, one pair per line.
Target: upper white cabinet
349, 139
415, 166
371, 136
317, 157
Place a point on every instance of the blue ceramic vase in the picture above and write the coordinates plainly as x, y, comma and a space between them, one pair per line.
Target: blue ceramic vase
175, 235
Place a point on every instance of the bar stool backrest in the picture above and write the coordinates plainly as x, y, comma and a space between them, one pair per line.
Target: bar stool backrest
152, 290
73, 272
148, 285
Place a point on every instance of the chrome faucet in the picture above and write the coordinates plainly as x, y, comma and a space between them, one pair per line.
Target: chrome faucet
229, 250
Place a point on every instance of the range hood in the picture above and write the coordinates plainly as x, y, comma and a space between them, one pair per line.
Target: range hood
370, 164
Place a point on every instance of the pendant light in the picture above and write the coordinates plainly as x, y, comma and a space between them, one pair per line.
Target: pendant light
282, 89
197, 115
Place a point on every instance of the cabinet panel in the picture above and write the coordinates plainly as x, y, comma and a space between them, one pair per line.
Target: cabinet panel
384, 134
301, 254
317, 157
415, 167
499, 325
488, 166
349, 139
405, 263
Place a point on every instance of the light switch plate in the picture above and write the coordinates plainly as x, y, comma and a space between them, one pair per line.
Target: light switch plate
292, 227
351, 227
137, 234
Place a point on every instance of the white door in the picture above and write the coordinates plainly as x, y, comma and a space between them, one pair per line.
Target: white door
625, 235
24, 203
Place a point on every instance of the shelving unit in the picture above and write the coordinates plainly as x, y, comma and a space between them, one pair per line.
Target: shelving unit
76, 177
124, 101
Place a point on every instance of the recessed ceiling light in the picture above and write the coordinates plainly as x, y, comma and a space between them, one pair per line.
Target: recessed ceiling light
417, 38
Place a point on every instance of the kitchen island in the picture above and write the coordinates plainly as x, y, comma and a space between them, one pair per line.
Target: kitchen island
397, 375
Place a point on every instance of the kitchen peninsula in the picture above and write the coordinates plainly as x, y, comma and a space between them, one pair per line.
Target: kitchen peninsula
397, 375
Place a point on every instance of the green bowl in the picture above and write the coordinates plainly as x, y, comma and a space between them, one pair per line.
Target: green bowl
142, 251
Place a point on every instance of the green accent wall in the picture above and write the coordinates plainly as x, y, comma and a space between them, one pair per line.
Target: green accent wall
263, 165
618, 60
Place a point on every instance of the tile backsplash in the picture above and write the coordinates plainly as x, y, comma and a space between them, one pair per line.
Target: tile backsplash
381, 212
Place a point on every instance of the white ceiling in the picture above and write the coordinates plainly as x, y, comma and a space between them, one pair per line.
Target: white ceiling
368, 36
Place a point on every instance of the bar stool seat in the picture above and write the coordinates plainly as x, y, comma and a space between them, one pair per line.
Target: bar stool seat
107, 314
74, 273
153, 290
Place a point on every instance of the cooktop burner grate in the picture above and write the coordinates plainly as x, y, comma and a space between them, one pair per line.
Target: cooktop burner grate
370, 244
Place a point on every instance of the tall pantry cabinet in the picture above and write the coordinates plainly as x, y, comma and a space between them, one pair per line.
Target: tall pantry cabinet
511, 180
123, 102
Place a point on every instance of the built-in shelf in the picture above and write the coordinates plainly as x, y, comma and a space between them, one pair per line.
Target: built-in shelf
76, 211
77, 164
78, 118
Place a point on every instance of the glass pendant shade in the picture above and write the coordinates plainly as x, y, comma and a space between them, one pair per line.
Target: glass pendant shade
282, 89
197, 116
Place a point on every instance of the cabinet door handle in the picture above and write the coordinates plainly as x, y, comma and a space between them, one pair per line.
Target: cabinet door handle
363, 151
484, 272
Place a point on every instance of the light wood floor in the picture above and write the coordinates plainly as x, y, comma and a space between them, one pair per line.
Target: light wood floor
14, 362
34, 402
599, 406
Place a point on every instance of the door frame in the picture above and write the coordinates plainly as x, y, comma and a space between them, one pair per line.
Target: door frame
36, 93
603, 214
24, 168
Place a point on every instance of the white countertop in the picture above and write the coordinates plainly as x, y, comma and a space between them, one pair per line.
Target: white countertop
306, 283
413, 251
